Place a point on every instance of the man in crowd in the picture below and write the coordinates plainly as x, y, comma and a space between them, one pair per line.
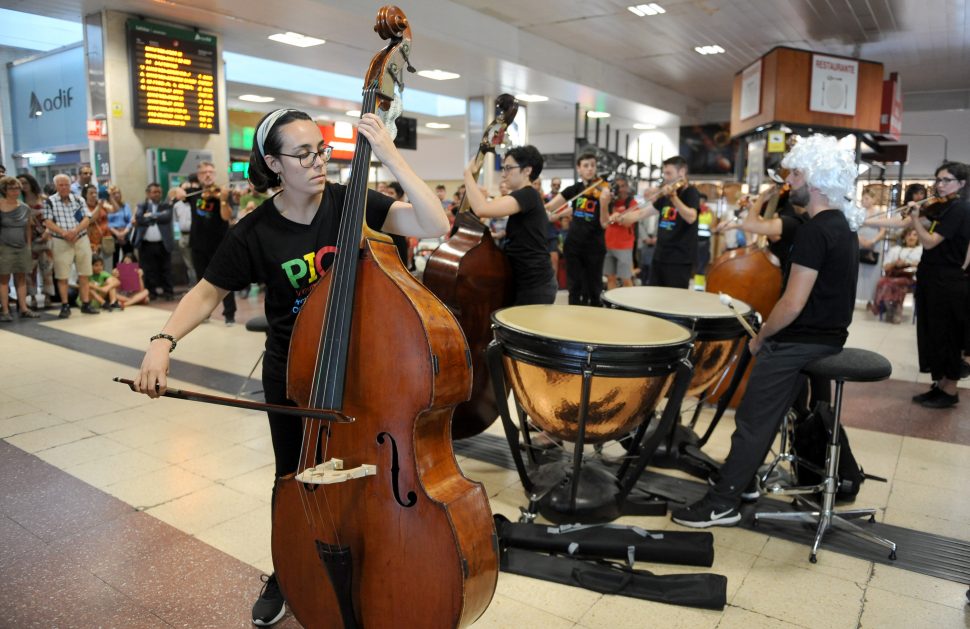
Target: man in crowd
84, 175
67, 218
210, 224
620, 239
155, 241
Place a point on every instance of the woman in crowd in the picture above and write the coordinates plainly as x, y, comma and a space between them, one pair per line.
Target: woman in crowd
15, 257
900, 268
40, 247
98, 210
870, 245
119, 224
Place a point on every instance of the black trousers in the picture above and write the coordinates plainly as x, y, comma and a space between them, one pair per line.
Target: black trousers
775, 382
670, 275
941, 319
156, 262
200, 260
544, 294
584, 276
286, 431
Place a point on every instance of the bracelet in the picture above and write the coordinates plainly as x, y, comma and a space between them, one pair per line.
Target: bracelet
167, 337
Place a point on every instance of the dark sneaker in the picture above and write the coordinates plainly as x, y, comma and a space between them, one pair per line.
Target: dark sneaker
706, 512
929, 395
270, 607
941, 400
87, 308
750, 493
65, 311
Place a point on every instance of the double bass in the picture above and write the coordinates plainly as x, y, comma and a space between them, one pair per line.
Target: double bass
378, 527
472, 276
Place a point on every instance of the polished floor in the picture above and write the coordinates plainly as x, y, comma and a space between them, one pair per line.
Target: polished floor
120, 511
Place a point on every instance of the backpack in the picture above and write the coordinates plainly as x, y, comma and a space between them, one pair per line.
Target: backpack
810, 439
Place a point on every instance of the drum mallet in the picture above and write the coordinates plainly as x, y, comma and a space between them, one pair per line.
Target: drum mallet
727, 301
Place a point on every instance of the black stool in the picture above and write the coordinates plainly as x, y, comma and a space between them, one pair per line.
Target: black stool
849, 365
256, 324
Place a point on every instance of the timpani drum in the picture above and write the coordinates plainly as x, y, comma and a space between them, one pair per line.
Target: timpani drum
586, 375
628, 360
718, 330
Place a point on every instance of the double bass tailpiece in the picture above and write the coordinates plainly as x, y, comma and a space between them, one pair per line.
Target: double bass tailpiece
332, 472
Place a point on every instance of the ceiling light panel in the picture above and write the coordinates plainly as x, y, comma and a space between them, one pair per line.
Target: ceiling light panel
437, 125
644, 10
296, 39
709, 50
256, 98
531, 98
597, 114
438, 75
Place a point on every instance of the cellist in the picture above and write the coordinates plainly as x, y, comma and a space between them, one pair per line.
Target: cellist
288, 244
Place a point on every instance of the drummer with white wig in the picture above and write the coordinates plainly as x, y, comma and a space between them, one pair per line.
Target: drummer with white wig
811, 320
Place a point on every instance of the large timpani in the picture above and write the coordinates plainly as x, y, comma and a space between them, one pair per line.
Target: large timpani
718, 330
552, 353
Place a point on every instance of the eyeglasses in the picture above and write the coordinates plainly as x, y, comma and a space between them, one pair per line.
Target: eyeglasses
508, 169
308, 159
945, 180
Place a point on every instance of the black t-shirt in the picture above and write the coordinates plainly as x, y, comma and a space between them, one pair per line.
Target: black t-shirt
265, 247
676, 238
826, 244
954, 225
585, 232
208, 228
525, 240
781, 248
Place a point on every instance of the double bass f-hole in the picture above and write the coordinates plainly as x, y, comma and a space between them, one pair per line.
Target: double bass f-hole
396, 473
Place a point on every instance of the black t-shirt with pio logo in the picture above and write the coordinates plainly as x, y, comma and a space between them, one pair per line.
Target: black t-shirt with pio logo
208, 227
289, 258
676, 238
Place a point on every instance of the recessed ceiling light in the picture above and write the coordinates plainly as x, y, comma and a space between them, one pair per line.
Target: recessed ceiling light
709, 50
256, 98
642, 10
321, 117
531, 98
597, 114
438, 75
437, 125
354, 113
641, 125
295, 39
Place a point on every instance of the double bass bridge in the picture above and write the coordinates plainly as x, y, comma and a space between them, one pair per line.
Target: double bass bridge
332, 472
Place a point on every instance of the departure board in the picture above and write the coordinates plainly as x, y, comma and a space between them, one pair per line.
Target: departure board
174, 77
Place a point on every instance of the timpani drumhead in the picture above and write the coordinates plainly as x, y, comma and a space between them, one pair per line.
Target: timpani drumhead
699, 311
629, 357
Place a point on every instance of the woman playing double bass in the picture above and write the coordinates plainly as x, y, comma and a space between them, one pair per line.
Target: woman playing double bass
288, 244
525, 235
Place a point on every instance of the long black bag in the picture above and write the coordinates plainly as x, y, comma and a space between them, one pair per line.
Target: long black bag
810, 441
610, 541
707, 591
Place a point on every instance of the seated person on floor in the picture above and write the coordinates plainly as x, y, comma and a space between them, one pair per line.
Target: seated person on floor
131, 289
810, 321
103, 285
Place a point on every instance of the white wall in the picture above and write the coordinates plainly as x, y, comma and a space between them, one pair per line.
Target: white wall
437, 158
926, 153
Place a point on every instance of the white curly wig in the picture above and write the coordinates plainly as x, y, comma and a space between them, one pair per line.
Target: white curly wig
830, 169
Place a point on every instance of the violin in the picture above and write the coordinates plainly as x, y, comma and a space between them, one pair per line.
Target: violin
594, 190
932, 207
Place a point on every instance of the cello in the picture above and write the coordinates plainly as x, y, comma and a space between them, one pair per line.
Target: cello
473, 277
753, 275
378, 527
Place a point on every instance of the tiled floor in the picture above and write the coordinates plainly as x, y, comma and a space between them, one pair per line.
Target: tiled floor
119, 511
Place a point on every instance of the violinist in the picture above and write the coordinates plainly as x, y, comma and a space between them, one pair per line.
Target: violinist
533, 279
941, 290
288, 244
585, 246
676, 252
620, 239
